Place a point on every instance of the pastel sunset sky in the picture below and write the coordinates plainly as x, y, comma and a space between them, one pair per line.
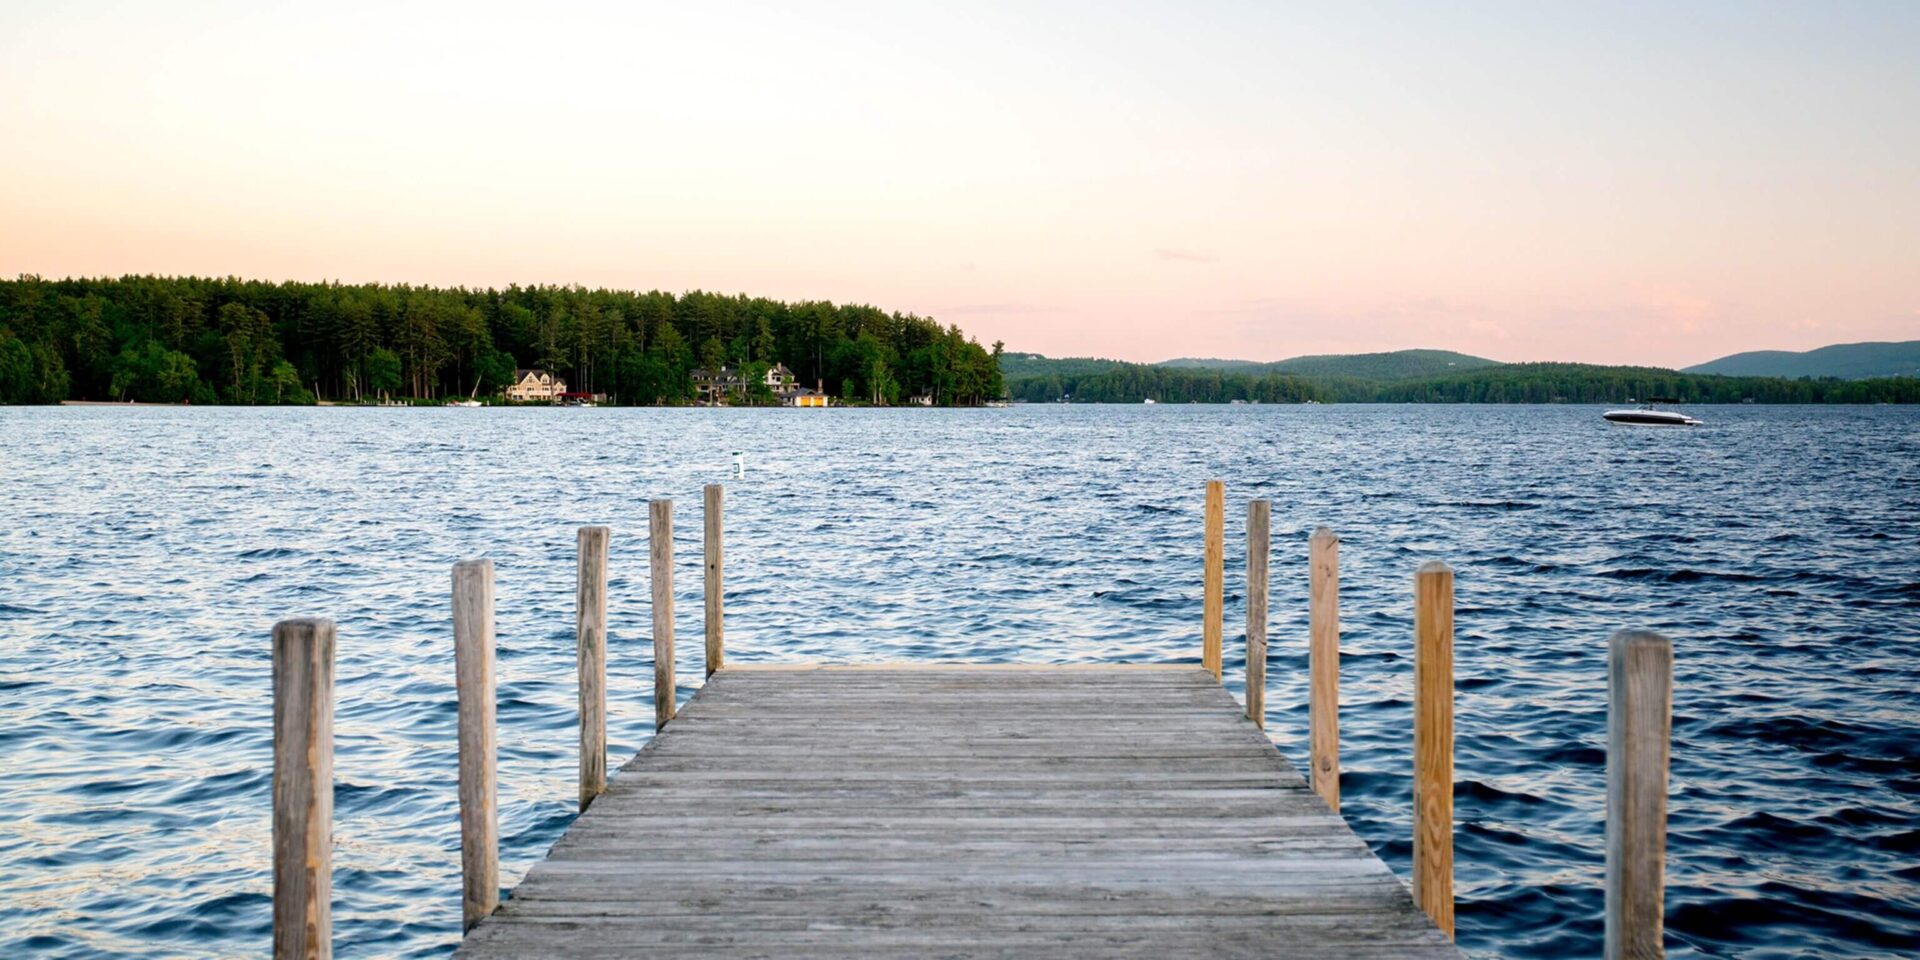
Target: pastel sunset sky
1608, 182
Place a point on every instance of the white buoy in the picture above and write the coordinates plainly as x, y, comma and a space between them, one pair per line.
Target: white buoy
739, 464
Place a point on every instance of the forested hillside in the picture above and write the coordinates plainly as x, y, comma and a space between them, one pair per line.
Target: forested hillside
1501, 383
1018, 365
1395, 365
203, 340
1392, 365
1848, 361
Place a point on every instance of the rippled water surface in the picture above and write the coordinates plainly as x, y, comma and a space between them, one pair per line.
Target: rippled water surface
145, 554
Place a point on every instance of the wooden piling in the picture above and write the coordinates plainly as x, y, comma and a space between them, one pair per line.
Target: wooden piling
1258, 544
660, 552
473, 673
1213, 612
1323, 663
590, 634
716, 616
1433, 743
303, 790
1639, 728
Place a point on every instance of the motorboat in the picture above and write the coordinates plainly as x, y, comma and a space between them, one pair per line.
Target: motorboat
1648, 414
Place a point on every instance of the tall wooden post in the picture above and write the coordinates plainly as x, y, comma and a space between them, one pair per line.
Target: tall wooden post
660, 552
303, 790
473, 675
1433, 742
1258, 543
1639, 728
590, 634
716, 616
1213, 611
1323, 663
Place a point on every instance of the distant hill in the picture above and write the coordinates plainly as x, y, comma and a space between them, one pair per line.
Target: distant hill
1210, 363
1397, 365
1493, 383
1035, 365
1847, 361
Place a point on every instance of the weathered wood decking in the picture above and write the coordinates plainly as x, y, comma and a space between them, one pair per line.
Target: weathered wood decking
927, 811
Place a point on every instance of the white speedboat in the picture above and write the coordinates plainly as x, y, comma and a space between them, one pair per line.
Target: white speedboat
1149, 400
1649, 415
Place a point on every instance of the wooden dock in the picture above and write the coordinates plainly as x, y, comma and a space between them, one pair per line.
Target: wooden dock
958, 811
930, 811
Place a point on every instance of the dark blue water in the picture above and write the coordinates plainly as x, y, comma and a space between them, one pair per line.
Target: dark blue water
145, 554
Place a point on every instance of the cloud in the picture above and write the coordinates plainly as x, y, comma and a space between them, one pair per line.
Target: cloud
1185, 256
1681, 309
1487, 328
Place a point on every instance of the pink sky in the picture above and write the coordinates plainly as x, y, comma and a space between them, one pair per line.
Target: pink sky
1139, 181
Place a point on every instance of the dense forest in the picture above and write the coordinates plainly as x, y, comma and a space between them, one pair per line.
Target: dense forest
1504, 383
203, 340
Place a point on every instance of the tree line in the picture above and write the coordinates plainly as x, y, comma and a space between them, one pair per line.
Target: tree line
1505, 383
207, 340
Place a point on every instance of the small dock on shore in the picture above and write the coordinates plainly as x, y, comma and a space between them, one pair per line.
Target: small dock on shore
960, 810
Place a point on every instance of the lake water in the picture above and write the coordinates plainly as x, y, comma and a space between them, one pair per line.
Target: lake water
146, 552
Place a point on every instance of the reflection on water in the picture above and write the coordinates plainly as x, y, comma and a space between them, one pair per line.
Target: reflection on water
145, 553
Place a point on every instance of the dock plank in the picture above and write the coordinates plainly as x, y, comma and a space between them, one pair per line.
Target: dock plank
1003, 812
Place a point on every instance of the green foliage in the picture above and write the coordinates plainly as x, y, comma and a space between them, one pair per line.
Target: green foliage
90, 339
1502, 383
285, 383
713, 355
139, 338
30, 372
1024, 366
249, 349
1847, 361
1588, 383
493, 370
1397, 365
764, 345
756, 393
150, 373
383, 371
1132, 383
25, 374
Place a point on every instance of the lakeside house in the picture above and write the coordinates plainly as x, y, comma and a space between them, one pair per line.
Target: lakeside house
718, 388
535, 385
780, 380
712, 388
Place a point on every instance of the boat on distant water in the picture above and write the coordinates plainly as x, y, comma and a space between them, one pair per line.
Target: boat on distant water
1149, 400
472, 400
1647, 414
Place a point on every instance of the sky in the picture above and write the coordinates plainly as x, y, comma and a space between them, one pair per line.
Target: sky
1611, 183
